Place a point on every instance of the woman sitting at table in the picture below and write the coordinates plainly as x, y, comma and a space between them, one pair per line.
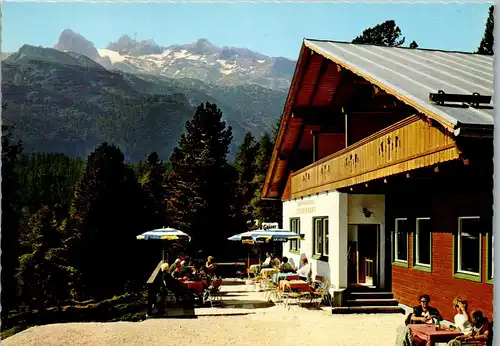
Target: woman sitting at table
480, 331
462, 319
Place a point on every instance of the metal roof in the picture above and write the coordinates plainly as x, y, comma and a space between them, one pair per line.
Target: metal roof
412, 74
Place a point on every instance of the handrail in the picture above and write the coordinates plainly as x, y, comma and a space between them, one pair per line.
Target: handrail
152, 288
153, 276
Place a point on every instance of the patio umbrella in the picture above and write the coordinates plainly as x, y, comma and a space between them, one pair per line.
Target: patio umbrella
168, 233
260, 236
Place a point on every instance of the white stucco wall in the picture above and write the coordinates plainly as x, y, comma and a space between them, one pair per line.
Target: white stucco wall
334, 206
376, 205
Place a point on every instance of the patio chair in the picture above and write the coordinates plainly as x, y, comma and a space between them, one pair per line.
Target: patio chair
212, 294
321, 294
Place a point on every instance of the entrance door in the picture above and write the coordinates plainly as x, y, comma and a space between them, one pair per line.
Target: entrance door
368, 241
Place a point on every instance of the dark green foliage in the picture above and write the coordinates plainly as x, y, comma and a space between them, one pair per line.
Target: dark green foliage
202, 185
43, 276
246, 166
486, 45
413, 45
385, 34
263, 210
108, 214
11, 218
153, 184
48, 179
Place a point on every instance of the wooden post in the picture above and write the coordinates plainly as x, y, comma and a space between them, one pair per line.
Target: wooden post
315, 145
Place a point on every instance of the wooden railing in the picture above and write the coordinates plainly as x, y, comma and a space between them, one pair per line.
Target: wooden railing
153, 287
409, 144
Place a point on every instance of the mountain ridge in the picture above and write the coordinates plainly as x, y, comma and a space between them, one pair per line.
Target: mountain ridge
200, 59
67, 102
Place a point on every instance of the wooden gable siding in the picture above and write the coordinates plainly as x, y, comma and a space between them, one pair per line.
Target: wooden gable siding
287, 191
440, 283
407, 145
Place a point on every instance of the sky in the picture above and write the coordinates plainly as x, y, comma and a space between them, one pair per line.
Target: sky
274, 29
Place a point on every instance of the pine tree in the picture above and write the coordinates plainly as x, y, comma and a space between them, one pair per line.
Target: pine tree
11, 218
108, 215
153, 185
245, 164
486, 45
385, 34
43, 276
202, 186
264, 210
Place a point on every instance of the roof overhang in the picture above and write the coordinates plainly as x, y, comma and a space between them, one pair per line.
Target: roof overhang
274, 184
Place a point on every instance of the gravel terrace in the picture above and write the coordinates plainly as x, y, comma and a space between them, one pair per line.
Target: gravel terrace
269, 326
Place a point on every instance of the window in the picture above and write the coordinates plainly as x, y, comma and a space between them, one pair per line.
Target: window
401, 241
295, 228
320, 236
423, 242
468, 252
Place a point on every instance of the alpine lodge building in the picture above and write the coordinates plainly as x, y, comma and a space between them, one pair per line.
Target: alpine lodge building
384, 161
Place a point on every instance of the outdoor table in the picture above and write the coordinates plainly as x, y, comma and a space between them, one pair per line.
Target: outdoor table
284, 276
294, 285
197, 286
429, 333
269, 271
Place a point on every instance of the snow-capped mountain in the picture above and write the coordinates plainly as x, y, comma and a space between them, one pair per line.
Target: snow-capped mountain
198, 60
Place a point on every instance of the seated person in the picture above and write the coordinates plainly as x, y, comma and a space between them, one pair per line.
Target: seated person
177, 288
424, 313
286, 267
462, 319
267, 261
174, 265
305, 269
480, 331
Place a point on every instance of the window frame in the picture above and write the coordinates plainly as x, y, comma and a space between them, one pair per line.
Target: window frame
321, 255
395, 259
416, 264
294, 246
490, 262
457, 255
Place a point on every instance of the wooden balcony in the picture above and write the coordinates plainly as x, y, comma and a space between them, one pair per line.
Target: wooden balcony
407, 145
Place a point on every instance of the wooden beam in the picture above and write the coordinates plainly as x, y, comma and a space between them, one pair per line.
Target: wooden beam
322, 71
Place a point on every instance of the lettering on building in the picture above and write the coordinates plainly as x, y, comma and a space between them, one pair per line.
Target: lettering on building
306, 210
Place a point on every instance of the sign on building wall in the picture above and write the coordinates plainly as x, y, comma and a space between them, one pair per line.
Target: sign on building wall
305, 207
270, 225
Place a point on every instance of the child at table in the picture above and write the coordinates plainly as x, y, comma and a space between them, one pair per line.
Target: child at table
286, 267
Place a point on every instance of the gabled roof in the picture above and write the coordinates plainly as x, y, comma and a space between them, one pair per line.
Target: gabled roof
411, 74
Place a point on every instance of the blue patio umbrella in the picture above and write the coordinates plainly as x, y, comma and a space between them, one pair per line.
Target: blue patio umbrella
168, 233
260, 236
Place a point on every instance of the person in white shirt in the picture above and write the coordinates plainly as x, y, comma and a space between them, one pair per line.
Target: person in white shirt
462, 319
267, 261
304, 268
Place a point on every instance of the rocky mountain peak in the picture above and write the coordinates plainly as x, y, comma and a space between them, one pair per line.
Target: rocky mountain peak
74, 42
126, 45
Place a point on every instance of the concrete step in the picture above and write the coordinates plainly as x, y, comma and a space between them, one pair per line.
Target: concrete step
372, 302
370, 295
368, 310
